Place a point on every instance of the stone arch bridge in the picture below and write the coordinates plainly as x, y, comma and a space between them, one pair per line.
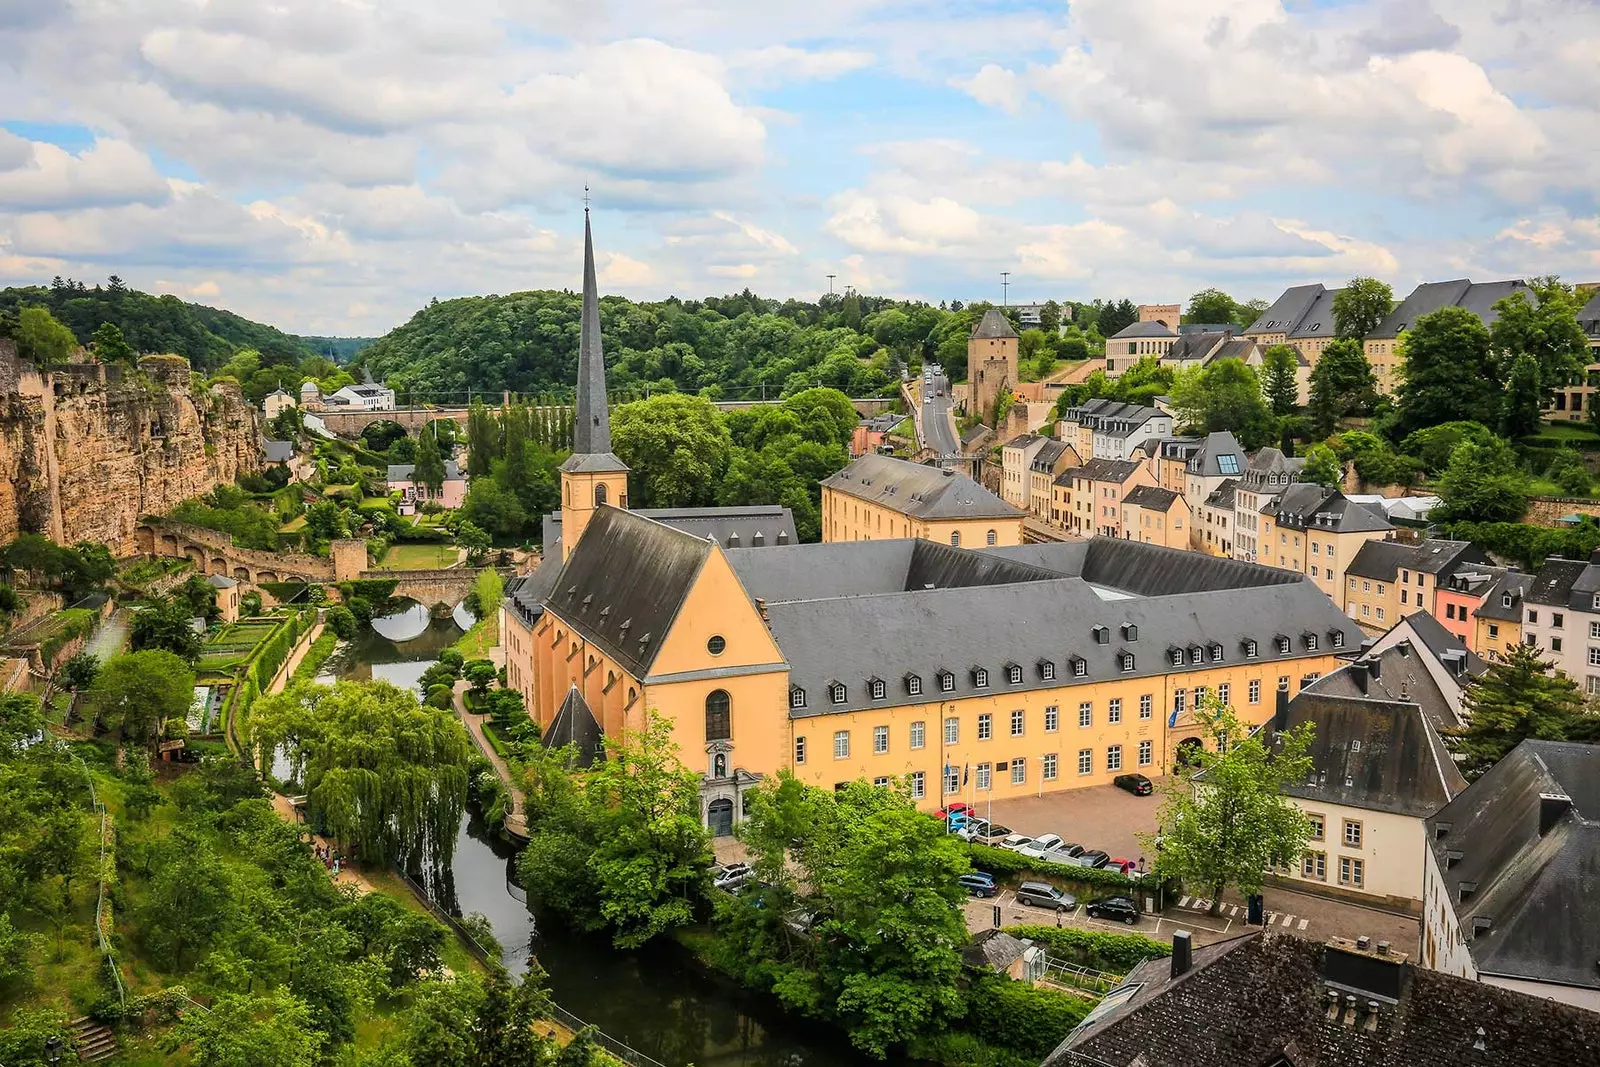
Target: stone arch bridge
437, 590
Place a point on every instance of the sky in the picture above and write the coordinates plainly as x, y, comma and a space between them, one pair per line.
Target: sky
329, 166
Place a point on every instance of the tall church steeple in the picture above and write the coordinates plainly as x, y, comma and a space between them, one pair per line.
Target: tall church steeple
591, 476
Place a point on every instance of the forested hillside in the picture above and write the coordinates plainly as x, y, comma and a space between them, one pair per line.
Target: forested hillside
733, 346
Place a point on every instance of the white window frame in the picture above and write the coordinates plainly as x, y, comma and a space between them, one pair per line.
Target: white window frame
1019, 771
1147, 752
1085, 714
1052, 718
1114, 710
1018, 722
952, 730
1085, 761
880, 740
1051, 766
919, 734
985, 726
983, 779
800, 749
1255, 690
841, 744
1147, 706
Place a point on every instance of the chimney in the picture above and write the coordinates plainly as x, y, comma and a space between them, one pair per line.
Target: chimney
1383, 948
1375, 667
1358, 674
1182, 953
1280, 714
1363, 942
1552, 806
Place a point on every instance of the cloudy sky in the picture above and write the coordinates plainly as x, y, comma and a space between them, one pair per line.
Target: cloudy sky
329, 165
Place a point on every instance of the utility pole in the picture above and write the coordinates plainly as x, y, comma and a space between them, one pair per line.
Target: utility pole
1005, 288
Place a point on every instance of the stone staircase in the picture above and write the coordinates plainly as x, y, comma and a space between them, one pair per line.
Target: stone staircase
94, 1041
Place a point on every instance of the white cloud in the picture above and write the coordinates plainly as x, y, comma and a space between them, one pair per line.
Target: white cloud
779, 64
38, 176
995, 86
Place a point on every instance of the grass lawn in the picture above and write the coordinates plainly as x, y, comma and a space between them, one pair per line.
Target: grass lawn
1576, 434
294, 525
377, 502
1545, 487
484, 635
418, 557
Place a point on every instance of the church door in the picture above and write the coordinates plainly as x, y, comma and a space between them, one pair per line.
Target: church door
719, 817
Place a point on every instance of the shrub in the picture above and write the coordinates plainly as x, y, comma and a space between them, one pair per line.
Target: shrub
1028, 1019
1117, 953
1002, 862
439, 696
342, 621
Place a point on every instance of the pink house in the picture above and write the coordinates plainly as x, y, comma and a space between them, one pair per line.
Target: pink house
450, 495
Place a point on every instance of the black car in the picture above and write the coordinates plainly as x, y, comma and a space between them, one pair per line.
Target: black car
1137, 784
1094, 858
1116, 909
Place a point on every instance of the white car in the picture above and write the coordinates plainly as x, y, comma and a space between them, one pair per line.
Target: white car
1015, 842
973, 829
1039, 846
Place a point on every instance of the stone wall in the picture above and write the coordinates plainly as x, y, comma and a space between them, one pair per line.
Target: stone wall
1548, 510
88, 450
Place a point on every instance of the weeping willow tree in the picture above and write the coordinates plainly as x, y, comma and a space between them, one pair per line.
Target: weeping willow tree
383, 774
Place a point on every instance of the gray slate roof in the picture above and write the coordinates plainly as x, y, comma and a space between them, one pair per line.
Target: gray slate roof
1589, 316
1195, 346
1476, 297
1047, 455
402, 472
1287, 311
1306, 505
993, 950
575, 724
1260, 1000
1142, 329
1100, 470
992, 326
1318, 318
277, 451
1494, 604
526, 595
919, 491
1209, 461
1553, 584
1225, 494
1526, 837
750, 525
862, 568
591, 424
1383, 560
1152, 496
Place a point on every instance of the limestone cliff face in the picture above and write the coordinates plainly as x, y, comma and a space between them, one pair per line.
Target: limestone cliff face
87, 450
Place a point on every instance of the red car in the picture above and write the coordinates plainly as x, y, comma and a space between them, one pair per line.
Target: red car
1117, 863
954, 809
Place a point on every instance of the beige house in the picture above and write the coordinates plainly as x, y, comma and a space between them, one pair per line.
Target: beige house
1216, 520
1268, 473
1387, 580
1155, 516
276, 403
1380, 765
1015, 457
879, 497
1317, 531
1384, 345
1133, 343
1050, 461
228, 596
1218, 459
1093, 502
1110, 429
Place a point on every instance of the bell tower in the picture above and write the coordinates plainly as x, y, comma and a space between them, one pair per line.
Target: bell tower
591, 477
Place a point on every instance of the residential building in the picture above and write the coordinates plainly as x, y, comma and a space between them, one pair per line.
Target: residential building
366, 397
227, 596
1556, 619
1135, 342
1571, 402
1110, 429
1264, 999
1388, 580
1091, 496
1218, 458
1379, 763
1301, 318
1051, 460
1383, 343
1216, 519
1155, 516
991, 362
1016, 455
1266, 474
276, 403
872, 434
1169, 462
1201, 349
1589, 320
1459, 597
1400, 510
878, 497
1317, 531
1497, 621
1510, 896
451, 494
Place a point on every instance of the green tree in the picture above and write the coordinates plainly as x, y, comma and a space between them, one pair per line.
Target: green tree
493, 507
1279, 385
164, 625
1483, 483
1545, 330
1568, 471
429, 470
1433, 445
1523, 398
1322, 466
1213, 306
342, 621
676, 448
79, 671
41, 339
1234, 823
481, 673
472, 538
1518, 697
1449, 371
1342, 385
1224, 396
134, 694
1114, 317
382, 773
109, 345
491, 591
483, 440
1360, 306
248, 1031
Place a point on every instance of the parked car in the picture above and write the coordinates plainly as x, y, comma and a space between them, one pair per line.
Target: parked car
970, 829
1126, 866
978, 884
732, 876
1016, 842
1094, 858
1040, 846
1137, 784
1045, 895
1066, 852
993, 834
1116, 909
957, 808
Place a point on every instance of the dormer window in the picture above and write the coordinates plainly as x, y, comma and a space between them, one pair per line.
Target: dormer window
1284, 644
1013, 674
1336, 638
1047, 670
1102, 635
1505, 600
1080, 667
837, 692
797, 697
1130, 632
1250, 650
980, 677
914, 684
878, 688
947, 682
1197, 654
1176, 655
1311, 642
1216, 653
1126, 662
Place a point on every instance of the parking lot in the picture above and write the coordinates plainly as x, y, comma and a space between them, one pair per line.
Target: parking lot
1102, 817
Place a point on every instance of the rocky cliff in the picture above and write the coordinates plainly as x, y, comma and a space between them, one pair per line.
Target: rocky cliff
88, 449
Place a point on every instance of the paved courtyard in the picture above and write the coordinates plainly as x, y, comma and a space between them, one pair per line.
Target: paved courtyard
1101, 816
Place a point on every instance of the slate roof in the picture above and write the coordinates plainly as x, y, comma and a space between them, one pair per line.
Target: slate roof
1224, 495
574, 724
861, 568
1493, 605
919, 491
591, 424
993, 326
1318, 318
1554, 581
1101, 470
1151, 496
1476, 297
1195, 346
1441, 642
993, 950
1209, 461
277, 451
1589, 316
1287, 311
1260, 1000
1306, 505
1022, 440
1383, 560
1240, 348
526, 595
1142, 329
624, 583
750, 525
402, 472
1047, 455
1526, 838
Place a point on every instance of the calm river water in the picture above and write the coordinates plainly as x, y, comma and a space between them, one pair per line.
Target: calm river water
656, 1001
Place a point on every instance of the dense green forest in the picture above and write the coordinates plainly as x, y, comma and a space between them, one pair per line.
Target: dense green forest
733, 346
338, 349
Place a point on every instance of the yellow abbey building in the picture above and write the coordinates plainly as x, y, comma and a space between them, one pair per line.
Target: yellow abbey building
967, 672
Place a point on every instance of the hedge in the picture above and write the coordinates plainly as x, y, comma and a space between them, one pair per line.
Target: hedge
1003, 862
1116, 953
1028, 1019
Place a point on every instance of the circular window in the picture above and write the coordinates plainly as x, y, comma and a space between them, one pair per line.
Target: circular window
716, 645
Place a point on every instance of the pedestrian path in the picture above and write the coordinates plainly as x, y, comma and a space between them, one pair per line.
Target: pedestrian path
108, 640
1286, 920
516, 822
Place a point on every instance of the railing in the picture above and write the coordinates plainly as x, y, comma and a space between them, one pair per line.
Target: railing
100, 902
610, 1044
1061, 972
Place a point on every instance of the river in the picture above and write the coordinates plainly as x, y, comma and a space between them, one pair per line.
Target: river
657, 1001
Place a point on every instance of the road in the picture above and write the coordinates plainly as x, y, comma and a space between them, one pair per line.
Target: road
938, 428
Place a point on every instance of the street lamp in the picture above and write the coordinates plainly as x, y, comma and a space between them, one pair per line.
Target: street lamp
52, 1048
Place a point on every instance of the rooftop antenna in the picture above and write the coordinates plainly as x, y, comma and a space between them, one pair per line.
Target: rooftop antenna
831, 277
1005, 288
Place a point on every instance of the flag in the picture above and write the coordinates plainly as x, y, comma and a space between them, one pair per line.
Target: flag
965, 773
